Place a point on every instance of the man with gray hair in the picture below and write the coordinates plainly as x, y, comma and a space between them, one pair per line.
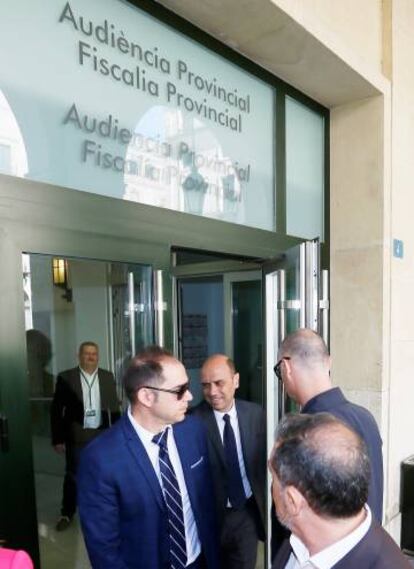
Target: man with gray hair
320, 476
304, 367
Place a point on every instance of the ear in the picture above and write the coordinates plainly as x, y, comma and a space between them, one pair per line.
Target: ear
145, 397
295, 501
236, 379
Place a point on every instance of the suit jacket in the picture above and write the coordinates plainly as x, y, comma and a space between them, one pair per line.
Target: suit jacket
67, 411
121, 505
360, 419
252, 426
376, 550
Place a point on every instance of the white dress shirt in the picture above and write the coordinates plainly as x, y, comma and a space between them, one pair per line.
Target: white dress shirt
328, 557
191, 534
235, 426
91, 399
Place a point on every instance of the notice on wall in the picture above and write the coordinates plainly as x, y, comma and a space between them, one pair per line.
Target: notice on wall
194, 340
100, 96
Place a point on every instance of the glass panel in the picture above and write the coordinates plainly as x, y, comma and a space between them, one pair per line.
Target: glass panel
125, 106
305, 171
132, 313
107, 303
247, 338
201, 326
292, 267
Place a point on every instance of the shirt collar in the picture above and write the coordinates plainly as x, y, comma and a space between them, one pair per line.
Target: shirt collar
85, 373
145, 435
329, 556
231, 412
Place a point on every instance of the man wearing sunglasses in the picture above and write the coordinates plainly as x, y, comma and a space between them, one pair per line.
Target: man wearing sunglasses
237, 445
304, 368
145, 491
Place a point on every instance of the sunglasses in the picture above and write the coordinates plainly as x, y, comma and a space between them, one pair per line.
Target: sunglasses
179, 392
277, 368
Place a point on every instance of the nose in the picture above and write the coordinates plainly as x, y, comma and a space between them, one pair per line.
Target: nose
213, 388
189, 395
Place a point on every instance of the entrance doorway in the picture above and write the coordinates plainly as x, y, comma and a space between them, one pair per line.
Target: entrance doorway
238, 306
68, 301
222, 313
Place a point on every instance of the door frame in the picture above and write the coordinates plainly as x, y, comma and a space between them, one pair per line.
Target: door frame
228, 280
50, 220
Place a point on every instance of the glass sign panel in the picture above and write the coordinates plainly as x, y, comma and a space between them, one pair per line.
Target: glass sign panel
305, 171
101, 97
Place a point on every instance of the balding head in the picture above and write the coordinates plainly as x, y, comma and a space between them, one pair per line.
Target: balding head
219, 381
325, 460
305, 364
306, 347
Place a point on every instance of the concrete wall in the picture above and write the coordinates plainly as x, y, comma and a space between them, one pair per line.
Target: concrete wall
346, 24
401, 420
355, 58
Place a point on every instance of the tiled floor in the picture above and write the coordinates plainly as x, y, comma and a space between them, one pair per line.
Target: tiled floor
66, 549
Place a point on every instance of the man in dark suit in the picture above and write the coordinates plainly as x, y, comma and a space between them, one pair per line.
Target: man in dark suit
237, 448
304, 368
84, 403
145, 492
320, 477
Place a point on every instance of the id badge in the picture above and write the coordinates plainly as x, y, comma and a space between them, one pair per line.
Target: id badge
89, 422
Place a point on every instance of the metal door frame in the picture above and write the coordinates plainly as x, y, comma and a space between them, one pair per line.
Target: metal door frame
51, 220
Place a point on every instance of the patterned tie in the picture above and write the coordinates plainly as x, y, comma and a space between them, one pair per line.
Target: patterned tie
172, 496
237, 495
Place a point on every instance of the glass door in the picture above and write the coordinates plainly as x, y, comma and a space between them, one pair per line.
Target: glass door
244, 330
68, 301
296, 296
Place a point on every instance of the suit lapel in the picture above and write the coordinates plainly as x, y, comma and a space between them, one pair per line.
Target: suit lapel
188, 454
246, 433
76, 383
282, 556
103, 389
141, 457
213, 432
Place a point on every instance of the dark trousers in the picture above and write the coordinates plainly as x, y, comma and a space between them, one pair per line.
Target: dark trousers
239, 537
69, 500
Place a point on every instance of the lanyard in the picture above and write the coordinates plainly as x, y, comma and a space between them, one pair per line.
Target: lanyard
90, 385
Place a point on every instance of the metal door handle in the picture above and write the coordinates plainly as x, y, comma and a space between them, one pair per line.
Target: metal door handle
4, 434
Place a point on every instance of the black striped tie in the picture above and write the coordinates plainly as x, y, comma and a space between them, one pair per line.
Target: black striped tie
172, 496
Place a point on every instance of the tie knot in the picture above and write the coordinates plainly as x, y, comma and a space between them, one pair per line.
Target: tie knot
160, 439
226, 418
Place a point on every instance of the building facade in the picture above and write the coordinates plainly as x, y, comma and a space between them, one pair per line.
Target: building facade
193, 145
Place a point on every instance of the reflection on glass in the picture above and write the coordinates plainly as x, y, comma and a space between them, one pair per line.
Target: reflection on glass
176, 161
247, 338
13, 156
305, 171
110, 304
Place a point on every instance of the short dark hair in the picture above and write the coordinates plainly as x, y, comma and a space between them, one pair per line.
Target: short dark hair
325, 460
87, 343
145, 369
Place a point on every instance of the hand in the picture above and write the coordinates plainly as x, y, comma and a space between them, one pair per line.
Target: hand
60, 448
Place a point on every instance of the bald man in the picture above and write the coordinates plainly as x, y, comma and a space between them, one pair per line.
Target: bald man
320, 477
304, 367
236, 432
